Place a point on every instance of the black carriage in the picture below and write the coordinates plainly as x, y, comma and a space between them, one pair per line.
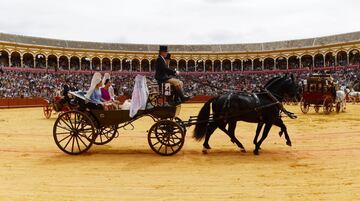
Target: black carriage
319, 91
76, 131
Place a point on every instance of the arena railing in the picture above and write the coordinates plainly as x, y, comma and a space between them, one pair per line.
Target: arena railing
277, 71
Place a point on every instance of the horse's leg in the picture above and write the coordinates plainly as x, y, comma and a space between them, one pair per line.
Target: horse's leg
263, 137
210, 130
231, 134
279, 122
258, 130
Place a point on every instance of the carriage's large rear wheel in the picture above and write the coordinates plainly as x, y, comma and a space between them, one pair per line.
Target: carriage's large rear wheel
47, 110
74, 132
328, 105
166, 137
304, 106
105, 135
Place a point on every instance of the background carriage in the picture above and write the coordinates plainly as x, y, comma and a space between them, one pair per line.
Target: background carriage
56, 104
319, 91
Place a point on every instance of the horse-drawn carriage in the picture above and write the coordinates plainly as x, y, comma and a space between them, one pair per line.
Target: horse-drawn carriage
319, 91
75, 131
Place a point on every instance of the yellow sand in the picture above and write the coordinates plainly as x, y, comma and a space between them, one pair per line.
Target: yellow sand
323, 164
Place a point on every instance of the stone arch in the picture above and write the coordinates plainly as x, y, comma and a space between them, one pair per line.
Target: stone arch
28, 60
329, 59
226, 65
75, 63
217, 65
319, 60
105, 63
64, 62
15, 59
116, 64
307, 61
208, 66
247, 65
191, 65
182, 65
4, 58
145, 65
294, 62
95, 64
85, 63
269, 64
52, 61
40, 61
237, 65
152, 65
281, 63
135, 65
126, 64
342, 58
258, 64
354, 57
173, 64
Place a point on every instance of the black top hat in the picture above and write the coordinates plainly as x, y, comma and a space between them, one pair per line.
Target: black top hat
168, 57
163, 48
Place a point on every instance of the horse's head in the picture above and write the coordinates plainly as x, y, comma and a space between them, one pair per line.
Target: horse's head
283, 86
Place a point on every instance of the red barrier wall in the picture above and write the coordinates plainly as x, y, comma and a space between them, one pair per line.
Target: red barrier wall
21, 102
39, 102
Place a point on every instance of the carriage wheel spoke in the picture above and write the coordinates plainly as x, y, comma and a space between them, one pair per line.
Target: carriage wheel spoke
72, 146
64, 138
160, 147
77, 142
82, 141
68, 142
63, 128
65, 122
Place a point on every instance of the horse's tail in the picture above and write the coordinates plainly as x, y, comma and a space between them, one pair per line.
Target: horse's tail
202, 121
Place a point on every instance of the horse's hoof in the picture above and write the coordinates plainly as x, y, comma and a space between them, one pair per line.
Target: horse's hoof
243, 150
280, 133
256, 152
205, 150
288, 143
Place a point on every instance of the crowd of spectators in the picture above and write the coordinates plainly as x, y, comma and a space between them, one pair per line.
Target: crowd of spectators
26, 84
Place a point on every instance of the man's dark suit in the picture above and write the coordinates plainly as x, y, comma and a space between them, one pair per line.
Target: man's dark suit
162, 72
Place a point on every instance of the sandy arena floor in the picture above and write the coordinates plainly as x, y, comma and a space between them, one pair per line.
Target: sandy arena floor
323, 164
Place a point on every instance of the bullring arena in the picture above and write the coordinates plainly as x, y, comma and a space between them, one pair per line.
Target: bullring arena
322, 163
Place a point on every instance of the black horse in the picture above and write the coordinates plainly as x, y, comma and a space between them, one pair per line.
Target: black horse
263, 108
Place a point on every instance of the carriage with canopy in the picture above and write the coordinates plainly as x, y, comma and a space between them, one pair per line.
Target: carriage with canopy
319, 91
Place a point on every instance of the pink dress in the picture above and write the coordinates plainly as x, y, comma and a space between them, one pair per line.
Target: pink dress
105, 95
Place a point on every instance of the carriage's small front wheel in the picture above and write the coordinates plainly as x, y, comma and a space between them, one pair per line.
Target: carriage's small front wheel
105, 135
47, 109
74, 132
166, 137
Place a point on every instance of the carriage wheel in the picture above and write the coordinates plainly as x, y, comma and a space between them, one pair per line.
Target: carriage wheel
166, 137
338, 107
304, 106
74, 132
317, 108
328, 105
105, 135
47, 109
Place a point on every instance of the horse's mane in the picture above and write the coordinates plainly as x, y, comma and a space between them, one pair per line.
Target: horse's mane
271, 81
